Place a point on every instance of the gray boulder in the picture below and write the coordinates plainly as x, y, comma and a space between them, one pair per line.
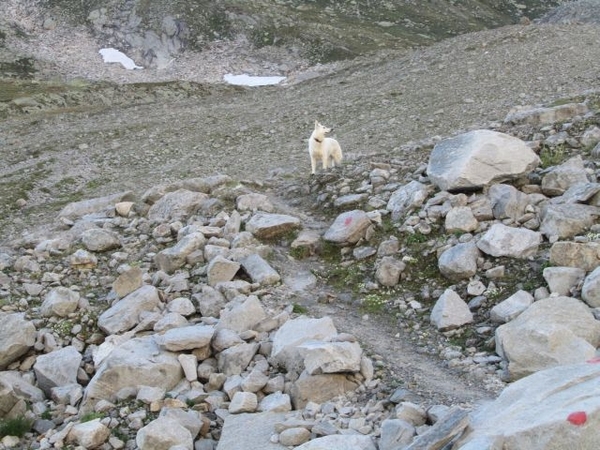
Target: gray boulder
173, 258
546, 115
450, 311
507, 201
17, 336
479, 158
271, 226
137, 362
348, 228
331, 357
585, 256
221, 269
340, 442
186, 338
259, 270
164, 433
590, 292
177, 205
242, 315
460, 219
551, 332
256, 429
459, 262
557, 408
406, 198
508, 309
79, 209
58, 368
565, 220
60, 301
563, 280
560, 178
100, 240
125, 314
501, 240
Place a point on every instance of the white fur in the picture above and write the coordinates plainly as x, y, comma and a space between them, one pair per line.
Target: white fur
322, 148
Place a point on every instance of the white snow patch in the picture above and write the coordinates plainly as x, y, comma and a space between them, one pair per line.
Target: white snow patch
112, 55
248, 80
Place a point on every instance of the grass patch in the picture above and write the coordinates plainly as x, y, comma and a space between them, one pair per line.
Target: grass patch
91, 416
552, 156
299, 309
17, 426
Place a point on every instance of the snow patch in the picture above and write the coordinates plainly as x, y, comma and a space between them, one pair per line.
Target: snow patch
248, 80
112, 55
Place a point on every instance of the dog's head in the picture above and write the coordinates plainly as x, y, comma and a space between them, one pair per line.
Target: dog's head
321, 129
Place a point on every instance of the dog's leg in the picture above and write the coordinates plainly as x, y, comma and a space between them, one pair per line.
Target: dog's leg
313, 164
325, 160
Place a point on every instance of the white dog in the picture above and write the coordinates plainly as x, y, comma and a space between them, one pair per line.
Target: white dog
326, 149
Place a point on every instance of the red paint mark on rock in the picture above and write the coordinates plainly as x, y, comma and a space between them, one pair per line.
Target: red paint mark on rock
348, 221
577, 418
595, 360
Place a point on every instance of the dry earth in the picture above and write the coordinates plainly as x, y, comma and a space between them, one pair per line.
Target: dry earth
382, 105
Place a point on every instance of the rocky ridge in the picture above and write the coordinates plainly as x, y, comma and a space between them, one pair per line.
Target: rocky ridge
180, 309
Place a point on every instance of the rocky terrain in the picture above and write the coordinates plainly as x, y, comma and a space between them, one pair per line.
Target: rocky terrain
427, 292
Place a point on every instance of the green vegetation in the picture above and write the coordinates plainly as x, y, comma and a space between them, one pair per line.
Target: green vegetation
299, 309
17, 426
91, 416
552, 156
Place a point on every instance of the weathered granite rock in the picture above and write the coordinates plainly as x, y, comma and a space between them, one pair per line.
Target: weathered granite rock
125, 314
460, 261
348, 228
99, 240
176, 205
507, 201
460, 219
590, 292
585, 256
221, 269
406, 198
234, 360
254, 202
173, 258
257, 430
551, 332
501, 240
128, 281
554, 408
478, 158
450, 311
60, 301
547, 115
164, 433
565, 220
137, 362
340, 442
563, 280
79, 209
319, 388
293, 333
331, 357
243, 402
396, 433
242, 315
91, 434
259, 270
508, 309
271, 226
185, 338
389, 270
58, 368
560, 178
17, 336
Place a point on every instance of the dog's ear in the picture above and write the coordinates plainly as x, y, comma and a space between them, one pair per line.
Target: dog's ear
316, 124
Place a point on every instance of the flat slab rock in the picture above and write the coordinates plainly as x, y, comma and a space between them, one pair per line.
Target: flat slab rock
250, 432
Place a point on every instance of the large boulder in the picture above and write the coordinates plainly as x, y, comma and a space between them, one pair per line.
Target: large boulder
479, 158
348, 228
176, 205
125, 314
136, 362
271, 226
502, 240
76, 210
17, 336
58, 368
406, 198
551, 332
557, 408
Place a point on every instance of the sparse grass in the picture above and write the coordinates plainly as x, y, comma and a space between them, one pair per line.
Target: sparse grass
552, 156
91, 416
299, 309
15, 427
374, 303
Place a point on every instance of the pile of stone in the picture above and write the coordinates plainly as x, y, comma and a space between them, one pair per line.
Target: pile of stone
161, 322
